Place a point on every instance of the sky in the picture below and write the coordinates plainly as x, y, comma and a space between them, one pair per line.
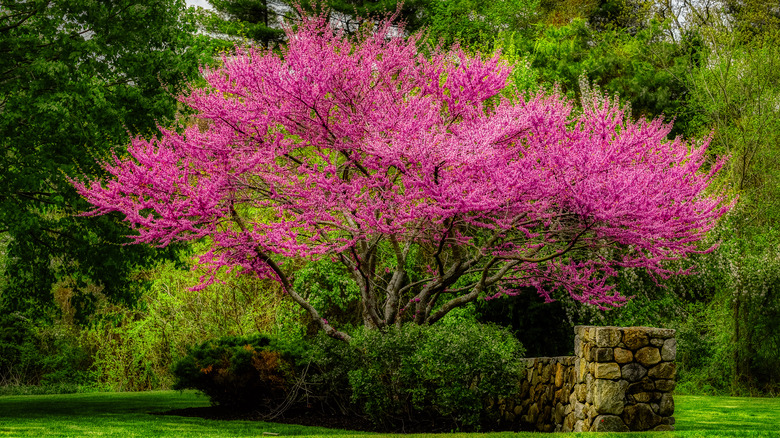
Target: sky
201, 3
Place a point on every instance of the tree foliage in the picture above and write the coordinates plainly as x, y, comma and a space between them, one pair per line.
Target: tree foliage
360, 149
75, 77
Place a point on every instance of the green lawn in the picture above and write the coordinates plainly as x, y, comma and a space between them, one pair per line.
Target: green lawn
128, 415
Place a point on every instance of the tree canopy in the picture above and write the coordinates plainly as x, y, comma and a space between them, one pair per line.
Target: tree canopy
362, 149
76, 77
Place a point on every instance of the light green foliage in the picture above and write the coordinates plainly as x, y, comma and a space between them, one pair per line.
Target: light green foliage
330, 289
745, 312
738, 91
133, 348
474, 23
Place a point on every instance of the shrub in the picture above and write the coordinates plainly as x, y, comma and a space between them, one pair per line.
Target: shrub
438, 376
34, 353
329, 362
245, 372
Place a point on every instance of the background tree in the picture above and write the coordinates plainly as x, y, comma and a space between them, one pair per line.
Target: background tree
476, 24
361, 149
738, 93
239, 21
232, 22
76, 77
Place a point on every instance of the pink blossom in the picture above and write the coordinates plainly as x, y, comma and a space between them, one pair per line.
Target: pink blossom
341, 147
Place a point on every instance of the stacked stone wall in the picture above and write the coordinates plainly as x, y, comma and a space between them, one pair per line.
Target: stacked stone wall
619, 379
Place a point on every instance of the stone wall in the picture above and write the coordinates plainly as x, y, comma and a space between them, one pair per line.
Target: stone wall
619, 379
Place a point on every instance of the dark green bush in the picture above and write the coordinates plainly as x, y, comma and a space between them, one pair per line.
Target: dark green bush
240, 371
329, 362
439, 377
19, 361
40, 354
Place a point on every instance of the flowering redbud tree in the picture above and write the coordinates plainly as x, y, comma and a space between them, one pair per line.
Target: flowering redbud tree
362, 149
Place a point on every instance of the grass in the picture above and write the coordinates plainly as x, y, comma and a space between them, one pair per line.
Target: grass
129, 415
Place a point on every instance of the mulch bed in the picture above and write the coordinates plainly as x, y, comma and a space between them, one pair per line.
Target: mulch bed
305, 417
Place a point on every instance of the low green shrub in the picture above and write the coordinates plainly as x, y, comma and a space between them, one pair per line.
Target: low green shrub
439, 376
244, 372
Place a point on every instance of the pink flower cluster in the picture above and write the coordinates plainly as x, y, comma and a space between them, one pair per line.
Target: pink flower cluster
348, 147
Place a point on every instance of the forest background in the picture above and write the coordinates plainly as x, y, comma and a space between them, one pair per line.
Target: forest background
79, 310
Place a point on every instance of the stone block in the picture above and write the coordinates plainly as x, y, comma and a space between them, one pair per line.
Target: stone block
547, 373
635, 338
645, 385
558, 375
665, 385
642, 397
533, 412
607, 336
573, 396
558, 413
607, 371
608, 396
587, 351
656, 342
623, 356
633, 372
662, 333
640, 417
579, 426
663, 428
666, 406
648, 356
609, 423
582, 392
589, 381
664, 370
579, 411
568, 423
669, 350
602, 355
592, 413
